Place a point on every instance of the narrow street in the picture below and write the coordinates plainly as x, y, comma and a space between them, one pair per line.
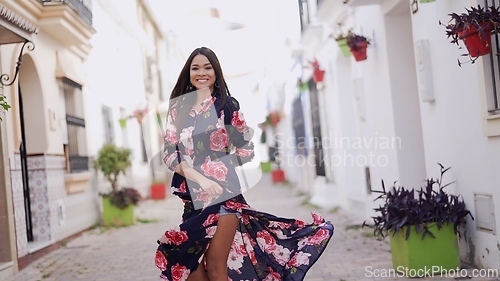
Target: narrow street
128, 253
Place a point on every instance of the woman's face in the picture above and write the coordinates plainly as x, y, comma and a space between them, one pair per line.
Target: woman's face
202, 74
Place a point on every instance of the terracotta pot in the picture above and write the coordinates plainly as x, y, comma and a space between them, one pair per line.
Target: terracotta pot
477, 44
359, 52
158, 191
318, 75
278, 176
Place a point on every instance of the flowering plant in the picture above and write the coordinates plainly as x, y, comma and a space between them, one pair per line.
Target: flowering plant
356, 41
432, 206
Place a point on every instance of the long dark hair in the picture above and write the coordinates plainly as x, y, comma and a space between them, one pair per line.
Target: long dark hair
184, 102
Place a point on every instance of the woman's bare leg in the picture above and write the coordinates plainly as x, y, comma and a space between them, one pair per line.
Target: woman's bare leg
220, 245
199, 274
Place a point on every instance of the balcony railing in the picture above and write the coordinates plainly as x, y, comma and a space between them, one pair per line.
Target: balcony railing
82, 7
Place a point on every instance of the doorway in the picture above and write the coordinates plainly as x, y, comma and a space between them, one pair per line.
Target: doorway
319, 155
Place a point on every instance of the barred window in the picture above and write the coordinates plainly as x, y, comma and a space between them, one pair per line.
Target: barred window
304, 14
107, 117
76, 148
492, 69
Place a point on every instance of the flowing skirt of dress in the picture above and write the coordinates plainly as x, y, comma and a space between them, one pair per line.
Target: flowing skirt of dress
265, 247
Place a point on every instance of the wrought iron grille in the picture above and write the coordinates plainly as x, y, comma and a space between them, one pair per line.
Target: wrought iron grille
493, 59
76, 151
82, 7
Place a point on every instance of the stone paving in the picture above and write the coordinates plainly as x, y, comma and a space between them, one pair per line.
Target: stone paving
128, 253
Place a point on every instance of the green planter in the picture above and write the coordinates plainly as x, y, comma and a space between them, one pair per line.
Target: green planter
114, 216
426, 1
266, 167
344, 49
414, 256
123, 122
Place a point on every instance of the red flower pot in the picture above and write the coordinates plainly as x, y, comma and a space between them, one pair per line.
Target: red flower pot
278, 176
477, 44
158, 191
359, 52
318, 75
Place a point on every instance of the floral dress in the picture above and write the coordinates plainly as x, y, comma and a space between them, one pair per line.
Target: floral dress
265, 247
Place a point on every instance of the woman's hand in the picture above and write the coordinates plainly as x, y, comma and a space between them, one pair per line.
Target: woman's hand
210, 186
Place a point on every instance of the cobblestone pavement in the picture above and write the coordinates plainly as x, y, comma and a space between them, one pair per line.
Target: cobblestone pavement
128, 253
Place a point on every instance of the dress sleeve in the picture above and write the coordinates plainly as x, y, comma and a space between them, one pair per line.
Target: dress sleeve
170, 149
240, 134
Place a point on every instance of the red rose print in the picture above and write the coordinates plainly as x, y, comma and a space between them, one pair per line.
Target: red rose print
245, 153
319, 237
171, 136
237, 206
176, 236
160, 261
238, 122
215, 169
182, 188
317, 218
179, 273
299, 223
272, 276
212, 218
300, 258
266, 241
219, 140
173, 114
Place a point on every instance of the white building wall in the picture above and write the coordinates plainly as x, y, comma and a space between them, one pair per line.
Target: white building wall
452, 129
381, 99
114, 71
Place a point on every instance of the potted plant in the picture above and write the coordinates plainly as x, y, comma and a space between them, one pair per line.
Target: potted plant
272, 120
423, 226
473, 28
358, 45
123, 122
318, 73
158, 189
426, 1
4, 106
341, 40
118, 204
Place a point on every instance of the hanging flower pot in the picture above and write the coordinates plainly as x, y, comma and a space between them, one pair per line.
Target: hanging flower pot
358, 44
123, 122
477, 43
473, 27
360, 53
318, 75
344, 49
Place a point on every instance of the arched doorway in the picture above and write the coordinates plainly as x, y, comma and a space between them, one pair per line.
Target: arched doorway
31, 140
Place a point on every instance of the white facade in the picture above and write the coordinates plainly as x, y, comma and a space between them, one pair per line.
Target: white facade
399, 118
116, 74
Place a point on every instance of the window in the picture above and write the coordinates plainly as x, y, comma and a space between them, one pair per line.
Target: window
492, 69
304, 14
75, 150
107, 117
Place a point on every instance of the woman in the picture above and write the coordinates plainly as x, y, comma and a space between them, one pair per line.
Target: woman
221, 237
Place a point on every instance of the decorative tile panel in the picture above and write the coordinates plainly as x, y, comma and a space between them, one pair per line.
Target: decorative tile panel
48, 199
19, 214
40, 212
